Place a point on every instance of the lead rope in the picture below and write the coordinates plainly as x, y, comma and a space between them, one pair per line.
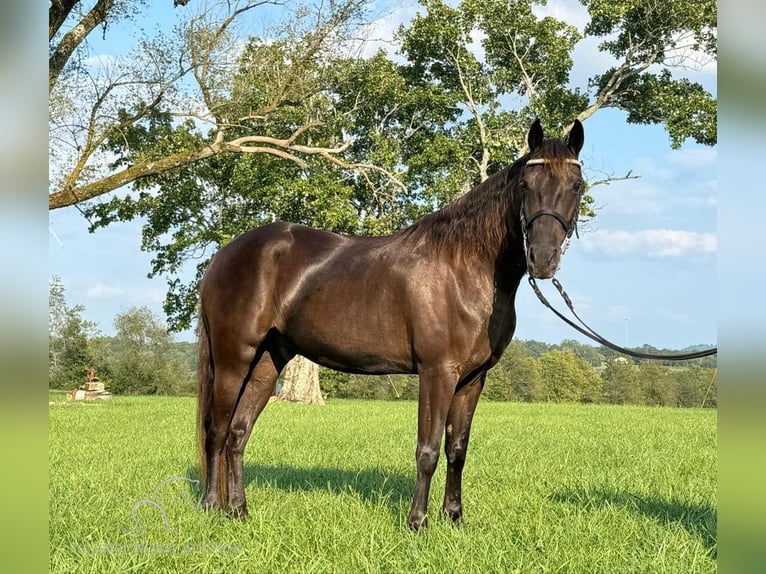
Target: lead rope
590, 333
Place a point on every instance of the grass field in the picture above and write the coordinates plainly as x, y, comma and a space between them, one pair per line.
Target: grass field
547, 488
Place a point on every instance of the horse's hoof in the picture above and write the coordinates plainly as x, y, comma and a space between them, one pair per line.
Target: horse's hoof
417, 522
238, 513
456, 516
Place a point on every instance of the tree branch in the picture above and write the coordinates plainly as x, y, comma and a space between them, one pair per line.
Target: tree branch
283, 148
57, 15
609, 179
74, 38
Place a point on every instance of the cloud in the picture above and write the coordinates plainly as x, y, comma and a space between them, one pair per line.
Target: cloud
379, 34
651, 243
693, 157
569, 11
101, 61
139, 294
103, 291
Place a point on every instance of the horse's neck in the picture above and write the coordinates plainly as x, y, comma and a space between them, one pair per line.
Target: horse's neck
510, 266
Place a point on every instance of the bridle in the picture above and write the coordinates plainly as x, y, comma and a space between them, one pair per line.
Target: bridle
570, 227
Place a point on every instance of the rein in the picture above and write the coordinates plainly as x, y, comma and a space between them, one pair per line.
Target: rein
588, 332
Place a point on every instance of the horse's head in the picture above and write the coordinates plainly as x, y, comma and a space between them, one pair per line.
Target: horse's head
551, 184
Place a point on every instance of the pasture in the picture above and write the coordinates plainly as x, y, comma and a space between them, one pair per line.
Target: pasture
547, 488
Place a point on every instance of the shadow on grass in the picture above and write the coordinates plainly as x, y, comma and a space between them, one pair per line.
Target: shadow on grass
372, 485
699, 520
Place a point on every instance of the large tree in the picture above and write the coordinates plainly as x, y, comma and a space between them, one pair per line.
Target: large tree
300, 131
186, 74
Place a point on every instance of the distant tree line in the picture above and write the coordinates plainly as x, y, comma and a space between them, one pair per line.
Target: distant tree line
531, 371
142, 358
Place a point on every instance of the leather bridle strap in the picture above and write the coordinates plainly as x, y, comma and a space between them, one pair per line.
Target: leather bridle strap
569, 227
588, 332
542, 212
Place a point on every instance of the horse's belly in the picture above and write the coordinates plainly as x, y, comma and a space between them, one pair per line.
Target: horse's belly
350, 351
363, 333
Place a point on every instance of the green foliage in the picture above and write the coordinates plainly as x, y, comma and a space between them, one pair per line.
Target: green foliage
70, 354
516, 377
567, 378
685, 108
621, 383
582, 351
644, 35
143, 363
697, 387
336, 385
532, 371
658, 386
438, 116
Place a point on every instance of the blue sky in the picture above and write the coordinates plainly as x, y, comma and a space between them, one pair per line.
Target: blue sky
649, 255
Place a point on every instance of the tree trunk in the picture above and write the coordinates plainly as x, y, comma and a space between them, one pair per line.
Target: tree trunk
300, 382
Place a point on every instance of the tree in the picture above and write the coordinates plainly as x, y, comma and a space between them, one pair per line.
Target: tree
300, 131
300, 382
621, 382
583, 351
63, 46
516, 377
69, 353
143, 363
697, 387
186, 76
659, 388
644, 35
567, 378
526, 66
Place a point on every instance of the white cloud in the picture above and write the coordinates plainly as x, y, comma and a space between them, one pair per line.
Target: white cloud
139, 295
651, 243
379, 34
101, 61
693, 157
103, 291
569, 11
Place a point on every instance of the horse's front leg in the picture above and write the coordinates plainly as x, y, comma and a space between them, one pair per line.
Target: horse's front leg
457, 432
437, 385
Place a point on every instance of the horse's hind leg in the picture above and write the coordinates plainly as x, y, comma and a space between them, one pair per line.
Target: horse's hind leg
457, 432
254, 398
229, 377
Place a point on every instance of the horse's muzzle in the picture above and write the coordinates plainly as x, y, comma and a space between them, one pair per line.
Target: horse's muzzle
543, 261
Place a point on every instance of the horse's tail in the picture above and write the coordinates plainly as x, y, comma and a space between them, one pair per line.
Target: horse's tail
204, 391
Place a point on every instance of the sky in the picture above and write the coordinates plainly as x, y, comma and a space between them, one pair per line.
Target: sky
642, 272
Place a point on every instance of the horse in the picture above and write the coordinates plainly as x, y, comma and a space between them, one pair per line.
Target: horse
434, 299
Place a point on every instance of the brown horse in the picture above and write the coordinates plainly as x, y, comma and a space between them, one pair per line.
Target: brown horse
436, 299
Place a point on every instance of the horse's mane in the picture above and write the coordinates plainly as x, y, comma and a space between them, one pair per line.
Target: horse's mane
483, 221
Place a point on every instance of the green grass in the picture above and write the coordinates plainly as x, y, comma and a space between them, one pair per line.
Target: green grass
547, 488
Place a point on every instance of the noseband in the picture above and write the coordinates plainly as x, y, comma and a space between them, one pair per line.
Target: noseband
569, 226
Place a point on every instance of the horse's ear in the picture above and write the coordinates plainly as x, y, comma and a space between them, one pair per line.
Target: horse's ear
535, 135
576, 138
